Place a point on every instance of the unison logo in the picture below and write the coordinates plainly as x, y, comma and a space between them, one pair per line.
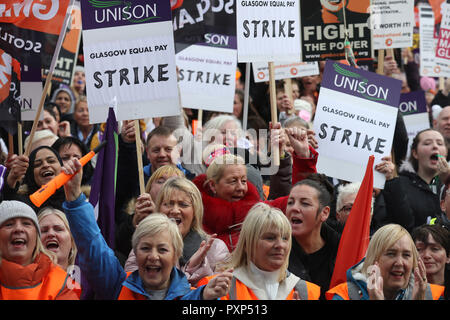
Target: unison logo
354, 82
110, 11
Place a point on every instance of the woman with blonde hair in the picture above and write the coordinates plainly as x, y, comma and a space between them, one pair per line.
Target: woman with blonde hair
140, 207
56, 236
156, 243
391, 270
181, 201
261, 259
144, 204
227, 194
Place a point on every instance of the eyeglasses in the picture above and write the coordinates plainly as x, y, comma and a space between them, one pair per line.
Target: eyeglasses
347, 208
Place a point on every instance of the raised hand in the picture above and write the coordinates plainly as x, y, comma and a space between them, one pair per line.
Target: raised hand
72, 188
299, 141
375, 283
218, 286
199, 256
420, 281
144, 206
18, 166
64, 129
128, 132
386, 167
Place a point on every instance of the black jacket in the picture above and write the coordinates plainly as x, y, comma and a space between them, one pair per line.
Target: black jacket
440, 99
316, 267
410, 200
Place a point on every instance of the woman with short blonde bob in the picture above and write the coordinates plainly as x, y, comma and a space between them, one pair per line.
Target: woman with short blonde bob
181, 201
157, 249
391, 270
261, 258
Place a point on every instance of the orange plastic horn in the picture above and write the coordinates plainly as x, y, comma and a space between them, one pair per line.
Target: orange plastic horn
47, 190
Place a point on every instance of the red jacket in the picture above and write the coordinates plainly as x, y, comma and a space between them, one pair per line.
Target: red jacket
224, 217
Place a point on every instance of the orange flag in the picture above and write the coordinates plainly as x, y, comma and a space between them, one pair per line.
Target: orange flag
356, 235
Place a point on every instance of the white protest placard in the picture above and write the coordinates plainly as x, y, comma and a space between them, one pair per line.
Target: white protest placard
30, 93
206, 55
429, 66
413, 107
207, 78
284, 70
355, 118
392, 23
129, 58
268, 31
443, 44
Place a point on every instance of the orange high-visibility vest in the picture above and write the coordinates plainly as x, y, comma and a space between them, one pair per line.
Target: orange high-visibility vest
48, 289
239, 291
433, 292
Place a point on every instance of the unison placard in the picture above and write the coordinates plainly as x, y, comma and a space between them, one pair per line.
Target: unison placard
130, 58
355, 118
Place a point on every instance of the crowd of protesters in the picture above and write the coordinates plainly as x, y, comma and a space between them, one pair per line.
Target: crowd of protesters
217, 220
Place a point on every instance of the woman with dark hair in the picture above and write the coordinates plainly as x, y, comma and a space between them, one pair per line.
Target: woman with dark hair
44, 163
314, 243
70, 148
412, 198
433, 244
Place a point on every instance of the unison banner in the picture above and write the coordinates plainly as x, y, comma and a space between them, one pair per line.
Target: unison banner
206, 57
323, 29
129, 59
355, 118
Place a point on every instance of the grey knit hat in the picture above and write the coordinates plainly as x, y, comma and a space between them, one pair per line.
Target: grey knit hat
17, 209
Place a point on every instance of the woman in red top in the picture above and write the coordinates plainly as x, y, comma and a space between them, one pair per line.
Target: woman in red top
228, 196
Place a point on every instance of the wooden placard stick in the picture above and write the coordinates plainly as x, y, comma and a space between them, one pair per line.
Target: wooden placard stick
10, 144
390, 52
273, 110
19, 138
380, 68
137, 132
246, 96
288, 92
200, 118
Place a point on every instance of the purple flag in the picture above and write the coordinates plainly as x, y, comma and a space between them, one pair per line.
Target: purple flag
103, 187
2, 174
